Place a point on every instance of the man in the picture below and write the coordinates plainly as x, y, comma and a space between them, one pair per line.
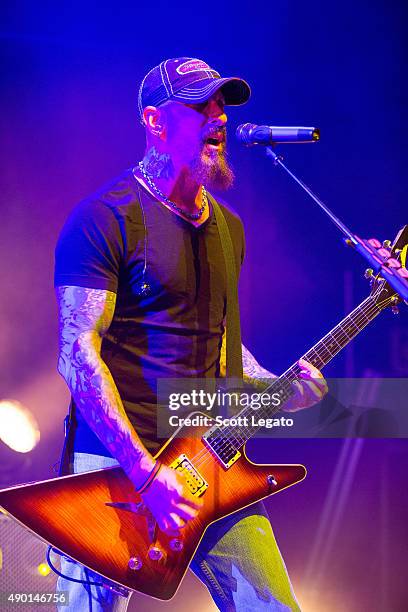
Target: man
141, 287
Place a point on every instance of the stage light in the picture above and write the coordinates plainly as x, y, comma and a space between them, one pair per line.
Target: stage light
44, 569
18, 427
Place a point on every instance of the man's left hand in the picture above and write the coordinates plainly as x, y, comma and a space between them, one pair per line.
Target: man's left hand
309, 390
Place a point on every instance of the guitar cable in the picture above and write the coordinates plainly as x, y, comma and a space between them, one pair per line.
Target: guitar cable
54, 569
115, 588
87, 583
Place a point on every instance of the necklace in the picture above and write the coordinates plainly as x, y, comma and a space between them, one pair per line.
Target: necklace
162, 196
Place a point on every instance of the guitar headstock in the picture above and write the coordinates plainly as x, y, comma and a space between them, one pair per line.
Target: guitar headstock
392, 256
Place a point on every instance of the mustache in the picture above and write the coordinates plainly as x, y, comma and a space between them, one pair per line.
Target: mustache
218, 131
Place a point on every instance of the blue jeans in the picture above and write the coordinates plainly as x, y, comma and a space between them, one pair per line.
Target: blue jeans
238, 560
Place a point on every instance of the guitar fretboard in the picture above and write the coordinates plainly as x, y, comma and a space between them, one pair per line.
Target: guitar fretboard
319, 355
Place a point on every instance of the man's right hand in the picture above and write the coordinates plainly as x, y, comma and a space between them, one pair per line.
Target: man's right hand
170, 501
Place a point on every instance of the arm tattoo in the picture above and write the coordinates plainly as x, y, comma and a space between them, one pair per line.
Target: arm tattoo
158, 165
254, 374
84, 316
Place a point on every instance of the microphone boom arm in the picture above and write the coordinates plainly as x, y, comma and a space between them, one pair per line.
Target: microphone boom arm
393, 276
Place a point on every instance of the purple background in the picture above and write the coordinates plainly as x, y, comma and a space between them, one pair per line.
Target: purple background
69, 124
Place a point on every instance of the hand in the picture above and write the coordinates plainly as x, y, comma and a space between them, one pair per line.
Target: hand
170, 501
310, 389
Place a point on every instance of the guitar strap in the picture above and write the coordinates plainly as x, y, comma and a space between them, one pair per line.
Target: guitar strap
233, 343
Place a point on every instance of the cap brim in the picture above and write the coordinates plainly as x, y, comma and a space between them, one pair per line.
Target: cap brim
236, 91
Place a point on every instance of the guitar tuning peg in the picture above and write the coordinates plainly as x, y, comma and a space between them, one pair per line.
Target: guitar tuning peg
368, 273
386, 244
393, 263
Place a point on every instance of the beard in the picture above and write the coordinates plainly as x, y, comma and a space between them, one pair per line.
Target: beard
211, 168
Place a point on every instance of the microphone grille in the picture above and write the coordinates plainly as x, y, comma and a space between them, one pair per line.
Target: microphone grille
243, 132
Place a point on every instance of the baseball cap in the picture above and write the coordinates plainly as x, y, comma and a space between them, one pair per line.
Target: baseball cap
190, 80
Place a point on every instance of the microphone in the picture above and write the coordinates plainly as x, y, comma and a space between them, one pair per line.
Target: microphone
252, 134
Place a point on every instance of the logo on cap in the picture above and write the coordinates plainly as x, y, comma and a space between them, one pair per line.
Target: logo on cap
192, 66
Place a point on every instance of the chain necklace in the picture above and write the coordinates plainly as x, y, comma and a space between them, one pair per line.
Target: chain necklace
162, 196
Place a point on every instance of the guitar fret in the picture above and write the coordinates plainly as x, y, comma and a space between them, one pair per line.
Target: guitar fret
358, 326
327, 348
362, 312
332, 335
351, 329
314, 358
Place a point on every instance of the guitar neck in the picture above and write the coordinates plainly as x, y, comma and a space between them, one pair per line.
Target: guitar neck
319, 355
323, 351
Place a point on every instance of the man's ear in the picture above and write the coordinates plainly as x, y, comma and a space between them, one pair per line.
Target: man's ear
153, 121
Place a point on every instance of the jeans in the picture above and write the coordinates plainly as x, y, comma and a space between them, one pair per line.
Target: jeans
238, 560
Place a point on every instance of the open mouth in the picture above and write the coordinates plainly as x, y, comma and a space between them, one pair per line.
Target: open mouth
215, 141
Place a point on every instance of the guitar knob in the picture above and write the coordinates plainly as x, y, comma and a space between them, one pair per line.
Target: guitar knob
155, 553
176, 545
271, 480
387, 244
135, 563
394, 309
368, 273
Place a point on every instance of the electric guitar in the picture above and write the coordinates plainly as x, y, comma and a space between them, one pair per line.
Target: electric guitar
97, 519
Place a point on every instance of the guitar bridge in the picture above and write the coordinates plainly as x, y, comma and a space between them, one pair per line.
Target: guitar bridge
194, 480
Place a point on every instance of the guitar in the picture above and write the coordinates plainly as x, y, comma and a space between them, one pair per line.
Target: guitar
97, 519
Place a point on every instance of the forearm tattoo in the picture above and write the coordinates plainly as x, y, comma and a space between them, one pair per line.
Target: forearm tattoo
84, 316
254, 374
158, 165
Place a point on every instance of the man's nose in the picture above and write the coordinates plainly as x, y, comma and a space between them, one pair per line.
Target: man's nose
216, 113
218, 118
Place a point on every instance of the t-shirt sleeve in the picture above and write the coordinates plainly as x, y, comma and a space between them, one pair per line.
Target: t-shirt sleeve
90, 248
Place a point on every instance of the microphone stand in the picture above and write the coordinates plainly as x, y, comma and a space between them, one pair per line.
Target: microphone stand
369, 249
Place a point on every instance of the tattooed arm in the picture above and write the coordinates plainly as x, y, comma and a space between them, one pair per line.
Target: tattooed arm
254, 374
309, 389
85, 315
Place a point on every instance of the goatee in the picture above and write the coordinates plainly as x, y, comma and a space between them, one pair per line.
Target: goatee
212, 170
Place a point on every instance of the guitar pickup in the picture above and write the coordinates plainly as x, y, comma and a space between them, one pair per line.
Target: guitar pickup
195, 482
221, 447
